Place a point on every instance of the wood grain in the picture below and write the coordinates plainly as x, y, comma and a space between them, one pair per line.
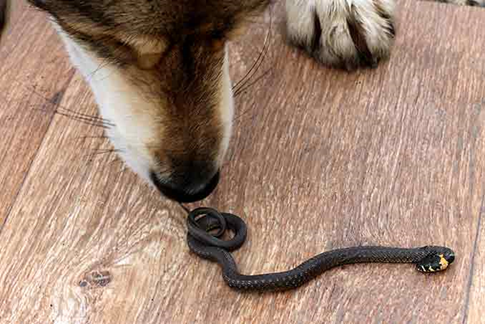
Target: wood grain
320, 159
28, 69
476, 298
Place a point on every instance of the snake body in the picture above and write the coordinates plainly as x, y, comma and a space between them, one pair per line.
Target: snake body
202, 221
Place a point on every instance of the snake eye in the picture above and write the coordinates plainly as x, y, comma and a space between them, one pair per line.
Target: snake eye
450, 257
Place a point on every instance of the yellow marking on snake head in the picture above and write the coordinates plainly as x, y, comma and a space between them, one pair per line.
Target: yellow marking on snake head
443, 263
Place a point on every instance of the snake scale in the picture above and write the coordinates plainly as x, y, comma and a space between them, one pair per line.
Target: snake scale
202, 222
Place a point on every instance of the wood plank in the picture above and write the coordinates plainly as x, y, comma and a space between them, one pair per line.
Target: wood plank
476, 298
97, 237
325, 159
25, 114
400, 161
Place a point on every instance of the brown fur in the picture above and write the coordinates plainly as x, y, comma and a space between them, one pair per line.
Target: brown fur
106, 24
4, 17
173, 51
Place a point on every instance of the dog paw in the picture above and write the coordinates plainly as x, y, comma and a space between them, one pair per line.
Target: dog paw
342, 33
473, 3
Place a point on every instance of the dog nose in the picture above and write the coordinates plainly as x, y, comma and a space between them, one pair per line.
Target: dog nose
187, 187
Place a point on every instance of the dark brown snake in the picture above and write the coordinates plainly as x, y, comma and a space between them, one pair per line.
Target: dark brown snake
203, 221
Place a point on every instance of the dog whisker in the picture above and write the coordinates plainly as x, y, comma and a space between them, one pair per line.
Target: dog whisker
91, 120
247, 86
93, 137
105, 151
98, 152
259, 60
86, 121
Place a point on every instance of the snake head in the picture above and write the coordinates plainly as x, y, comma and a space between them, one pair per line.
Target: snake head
436, 262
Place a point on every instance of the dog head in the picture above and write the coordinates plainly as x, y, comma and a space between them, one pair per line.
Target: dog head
159, 72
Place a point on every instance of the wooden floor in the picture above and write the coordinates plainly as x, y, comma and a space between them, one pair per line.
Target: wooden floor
320, 159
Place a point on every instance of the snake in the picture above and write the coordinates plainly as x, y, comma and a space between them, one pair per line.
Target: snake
206, 227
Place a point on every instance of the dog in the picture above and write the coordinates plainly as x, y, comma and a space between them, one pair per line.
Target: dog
159, 70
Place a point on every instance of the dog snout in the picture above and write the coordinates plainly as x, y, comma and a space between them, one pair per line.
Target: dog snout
188, 185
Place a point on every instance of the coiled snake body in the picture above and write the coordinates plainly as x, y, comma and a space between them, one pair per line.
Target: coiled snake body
202, 221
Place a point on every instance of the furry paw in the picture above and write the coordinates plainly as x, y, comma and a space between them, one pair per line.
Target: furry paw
473, 3
342, 33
